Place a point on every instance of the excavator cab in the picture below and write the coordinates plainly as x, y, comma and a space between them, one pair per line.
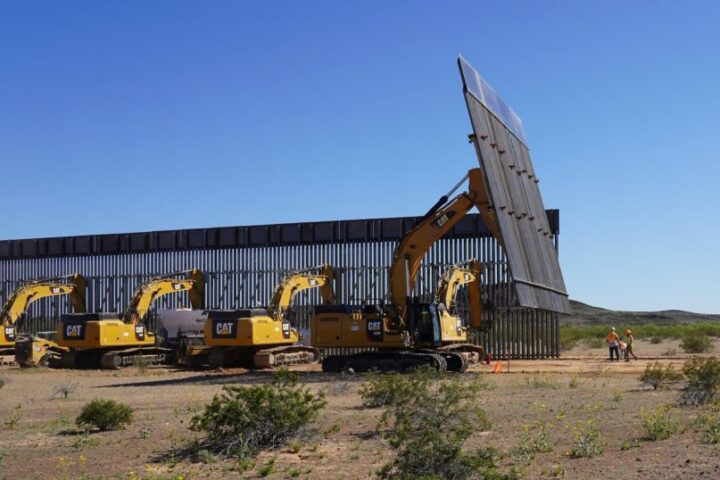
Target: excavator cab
431, 324
424, 324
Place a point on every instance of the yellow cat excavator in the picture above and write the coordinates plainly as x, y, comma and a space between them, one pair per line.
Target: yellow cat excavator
463, 274
264, 337
23, 348
113, 341
408, 333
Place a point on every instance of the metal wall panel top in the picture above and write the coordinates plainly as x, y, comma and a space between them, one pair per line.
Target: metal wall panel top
309, 233
513, 187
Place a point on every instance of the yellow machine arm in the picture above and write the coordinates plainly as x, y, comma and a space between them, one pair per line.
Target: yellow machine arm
454, 278
296, 282
29, 292
191, 281
436, 223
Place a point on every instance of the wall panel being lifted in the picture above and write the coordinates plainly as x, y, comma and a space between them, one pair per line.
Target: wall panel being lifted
512, 184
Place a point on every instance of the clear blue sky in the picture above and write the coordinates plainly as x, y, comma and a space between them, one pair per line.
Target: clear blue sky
133, 116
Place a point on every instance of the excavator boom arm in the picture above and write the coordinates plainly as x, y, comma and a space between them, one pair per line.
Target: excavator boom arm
21, 298
416, 243
193, 282
456, 277
296, 282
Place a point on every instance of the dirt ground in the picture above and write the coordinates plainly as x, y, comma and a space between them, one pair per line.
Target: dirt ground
38, 439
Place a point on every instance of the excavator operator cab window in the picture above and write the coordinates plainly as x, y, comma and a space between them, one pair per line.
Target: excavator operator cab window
425, 324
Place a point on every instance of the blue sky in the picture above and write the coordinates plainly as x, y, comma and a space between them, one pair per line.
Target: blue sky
134, 116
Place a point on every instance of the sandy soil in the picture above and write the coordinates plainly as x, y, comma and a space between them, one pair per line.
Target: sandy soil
37, 423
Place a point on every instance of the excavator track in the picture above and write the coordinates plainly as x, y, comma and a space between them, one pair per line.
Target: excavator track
285, 355
260, 359
384, 361
456, 362
110, 360
117, 359
471, 353
7, 356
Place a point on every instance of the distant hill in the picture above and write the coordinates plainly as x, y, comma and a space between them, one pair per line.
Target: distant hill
589, 315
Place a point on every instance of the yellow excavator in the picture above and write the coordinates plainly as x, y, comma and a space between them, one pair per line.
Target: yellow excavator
408, 333
466, 274
113, 341
264, 337
29, 350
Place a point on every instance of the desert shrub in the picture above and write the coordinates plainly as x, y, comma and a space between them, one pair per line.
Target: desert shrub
383, 389
535, 438
710, 424
12, 420
246, 419
64, 389
429, 427
696, 343
267, 468
656, 376
577, 333
588, 441
656, 340
659, 424
703, 376
574, 381
595, 342
104, 415
336, 388
712, 431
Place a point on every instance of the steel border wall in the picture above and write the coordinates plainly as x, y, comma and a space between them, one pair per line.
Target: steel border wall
245, 275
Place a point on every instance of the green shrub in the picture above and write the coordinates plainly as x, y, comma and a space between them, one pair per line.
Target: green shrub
267, 468
703, 375
105, 415
588, 441
570, 334
656, 376
659, 424
710, 423
429, 427
696, 343
382, 389
246, 419
535, 438
595, 342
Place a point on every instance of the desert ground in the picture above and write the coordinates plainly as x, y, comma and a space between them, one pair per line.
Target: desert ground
39, 439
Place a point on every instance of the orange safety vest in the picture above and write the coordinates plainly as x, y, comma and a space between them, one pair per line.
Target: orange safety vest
612, 337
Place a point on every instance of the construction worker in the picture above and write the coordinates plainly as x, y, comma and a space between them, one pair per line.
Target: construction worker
629, 339
613, 342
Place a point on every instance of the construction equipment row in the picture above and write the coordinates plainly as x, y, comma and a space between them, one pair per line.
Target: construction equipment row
398, 335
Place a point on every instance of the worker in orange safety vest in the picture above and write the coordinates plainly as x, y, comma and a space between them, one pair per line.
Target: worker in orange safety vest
613, 341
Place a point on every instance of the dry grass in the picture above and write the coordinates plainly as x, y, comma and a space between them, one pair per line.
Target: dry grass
165, 400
